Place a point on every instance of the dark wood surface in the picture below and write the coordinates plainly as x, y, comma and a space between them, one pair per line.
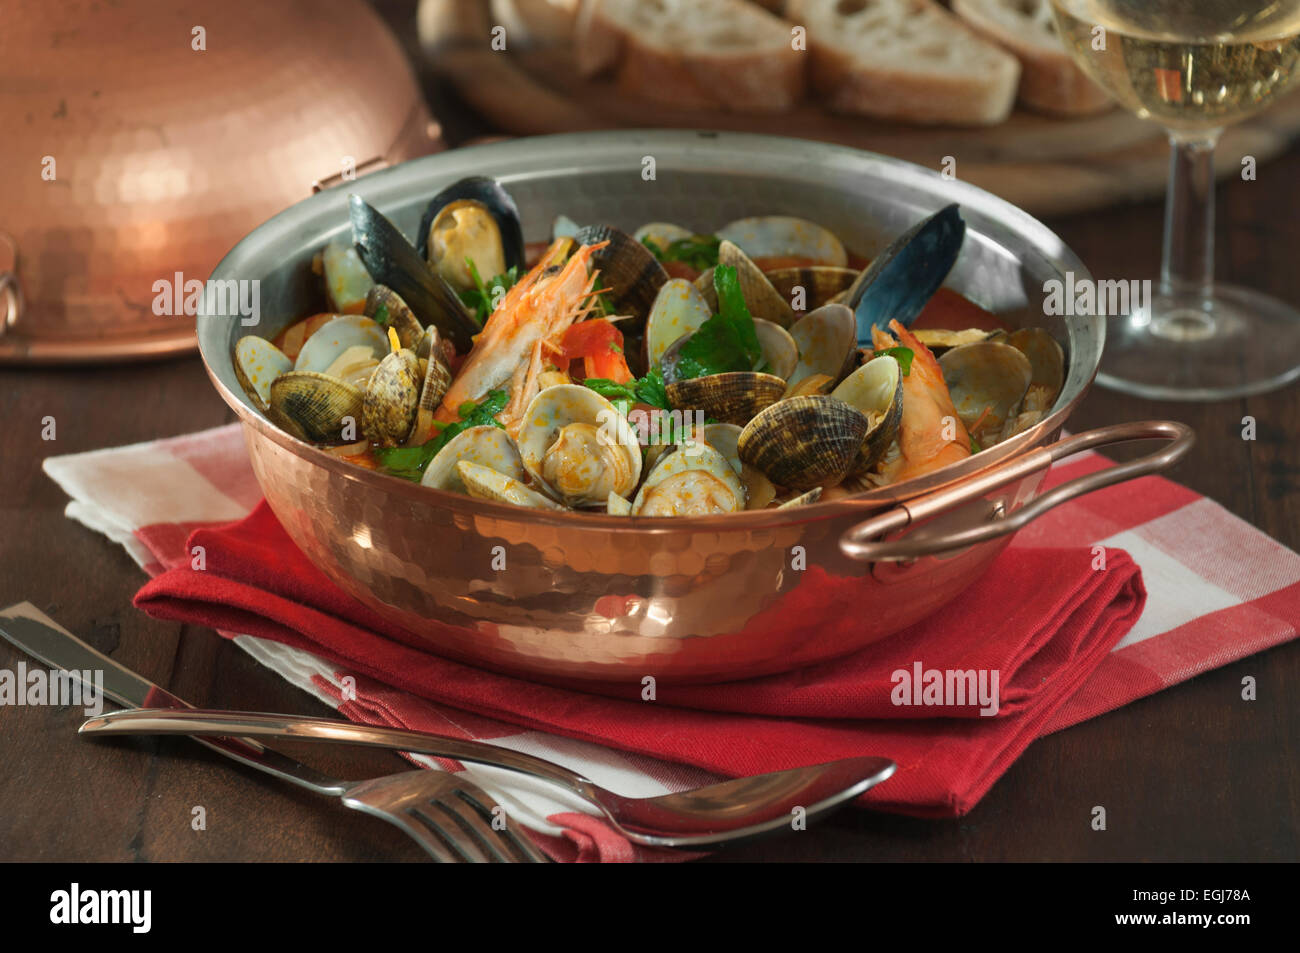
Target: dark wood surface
1192, 773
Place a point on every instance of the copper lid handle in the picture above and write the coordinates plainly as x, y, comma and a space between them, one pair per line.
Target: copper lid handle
864, 541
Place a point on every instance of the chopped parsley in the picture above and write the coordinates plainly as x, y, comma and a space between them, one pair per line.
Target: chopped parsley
725, 342
903, 355
483, 297
698, 251
409, 463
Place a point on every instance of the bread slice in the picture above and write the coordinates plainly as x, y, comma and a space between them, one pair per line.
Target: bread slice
905, 59
726, 54
1050, 81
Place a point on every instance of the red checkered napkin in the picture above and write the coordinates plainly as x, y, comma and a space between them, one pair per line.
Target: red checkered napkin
1077, 644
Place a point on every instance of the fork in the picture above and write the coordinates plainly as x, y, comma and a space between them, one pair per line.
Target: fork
454, 820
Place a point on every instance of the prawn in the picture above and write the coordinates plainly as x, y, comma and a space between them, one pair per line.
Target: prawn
522, 332
931, 434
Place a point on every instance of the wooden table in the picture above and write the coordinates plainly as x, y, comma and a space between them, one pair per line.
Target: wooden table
1193, 773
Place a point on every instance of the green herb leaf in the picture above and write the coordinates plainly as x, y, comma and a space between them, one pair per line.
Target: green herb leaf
727, 341
903, 355
648, 390
409, 463
698, 251
381, 314
481, 298
974, 446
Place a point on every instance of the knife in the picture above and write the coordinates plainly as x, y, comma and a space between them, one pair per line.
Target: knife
29, 630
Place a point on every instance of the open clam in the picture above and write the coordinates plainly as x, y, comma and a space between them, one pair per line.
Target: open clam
485, 445
811, 286
987, 382
258, 362
826, 340
346, 280
783, 236
335, 337
875, 389
385, 307
692, 480
763, 300
725, 438
575, 443
679, 309
484, 483
633, 275
804, 442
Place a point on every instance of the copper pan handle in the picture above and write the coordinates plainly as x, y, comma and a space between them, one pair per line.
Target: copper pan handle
864, 540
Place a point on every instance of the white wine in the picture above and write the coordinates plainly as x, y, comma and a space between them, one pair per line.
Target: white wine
1188, 64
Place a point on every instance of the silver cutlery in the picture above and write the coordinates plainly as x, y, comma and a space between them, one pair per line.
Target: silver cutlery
711, 815
450, 817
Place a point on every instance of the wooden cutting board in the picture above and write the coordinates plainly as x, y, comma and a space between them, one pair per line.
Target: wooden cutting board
1043, 164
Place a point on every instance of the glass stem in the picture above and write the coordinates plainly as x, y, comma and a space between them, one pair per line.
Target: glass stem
1187, 259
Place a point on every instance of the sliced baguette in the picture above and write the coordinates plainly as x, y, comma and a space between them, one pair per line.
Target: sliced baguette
1050, 81
726, 54
905, 59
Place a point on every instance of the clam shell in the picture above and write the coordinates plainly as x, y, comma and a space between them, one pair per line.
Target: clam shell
662, 234
560, 426
692, 480
725, 439
392, 395
827, 341
437, 379
355, 365
314, 407
257, 363
396, 315
875, 389
335, 336
486, 445
484, 483
346, 280
679, 309
783, 236
732, 398
1046, 363
803, 442
616, 505
761, 298
564, 227
819, 283
633, 275
987, 381
780, 352
803, 499
939, 340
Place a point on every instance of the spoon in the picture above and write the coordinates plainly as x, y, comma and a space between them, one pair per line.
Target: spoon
714, 814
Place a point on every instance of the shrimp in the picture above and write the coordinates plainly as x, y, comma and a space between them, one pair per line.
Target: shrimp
522, 331
931, 434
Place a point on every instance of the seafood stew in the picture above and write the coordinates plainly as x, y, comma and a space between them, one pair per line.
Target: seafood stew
653, 373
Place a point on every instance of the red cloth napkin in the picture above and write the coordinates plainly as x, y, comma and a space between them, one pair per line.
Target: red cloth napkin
1039, 622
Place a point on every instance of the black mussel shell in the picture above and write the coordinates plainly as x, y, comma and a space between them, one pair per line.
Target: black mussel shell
392, 261
498, 201
903, 277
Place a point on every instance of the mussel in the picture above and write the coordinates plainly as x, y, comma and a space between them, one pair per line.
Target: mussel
392, 261
903, 277
475, 218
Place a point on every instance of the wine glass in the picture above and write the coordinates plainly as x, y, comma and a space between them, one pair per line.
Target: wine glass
1194, 66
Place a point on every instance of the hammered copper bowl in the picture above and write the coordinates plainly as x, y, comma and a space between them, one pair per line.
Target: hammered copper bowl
580, 598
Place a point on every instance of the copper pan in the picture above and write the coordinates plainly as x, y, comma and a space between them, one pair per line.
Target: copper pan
596, 598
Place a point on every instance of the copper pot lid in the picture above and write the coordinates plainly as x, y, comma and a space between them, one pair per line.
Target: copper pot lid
143, 139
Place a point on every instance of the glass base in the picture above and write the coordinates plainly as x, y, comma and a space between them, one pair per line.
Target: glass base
1232, 343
